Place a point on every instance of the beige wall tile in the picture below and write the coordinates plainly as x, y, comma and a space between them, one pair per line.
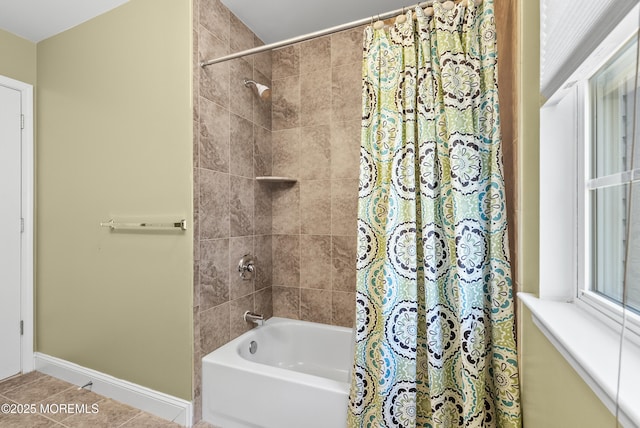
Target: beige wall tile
286, 62
315, 54
241, 200
286, 152
326, 162
285, 107
315, 262
263, 302
197, 363
264, 262
343, 308
315, 152
195, 63
214, 16
196, 213
315, 305
346, 47
241, 102
315, 98
345, 149
262, 151
343, 263
214, 273
214, 328
196, 129
214, 204
286, 260
285, 208
241, 146
262, 209
346, 100
196, 281
241, 37
214, 136
262, 62
315, 207
286, 302
197, 350
214, 79
344, 207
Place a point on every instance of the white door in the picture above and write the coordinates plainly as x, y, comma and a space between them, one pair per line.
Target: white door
10, 229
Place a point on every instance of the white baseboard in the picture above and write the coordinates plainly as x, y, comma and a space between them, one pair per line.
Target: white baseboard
157, 403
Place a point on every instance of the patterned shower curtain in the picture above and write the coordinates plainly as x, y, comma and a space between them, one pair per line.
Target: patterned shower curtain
435, 338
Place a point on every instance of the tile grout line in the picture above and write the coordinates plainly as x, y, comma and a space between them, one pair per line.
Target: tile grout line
130, 419
19, 385
69, 416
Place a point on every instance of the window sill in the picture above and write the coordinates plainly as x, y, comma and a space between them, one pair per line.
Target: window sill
592, 349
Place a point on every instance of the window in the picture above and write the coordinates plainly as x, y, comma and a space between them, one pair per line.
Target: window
612, 215
590, 225
589, 218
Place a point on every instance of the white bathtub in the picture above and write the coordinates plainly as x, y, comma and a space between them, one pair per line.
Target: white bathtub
298, 377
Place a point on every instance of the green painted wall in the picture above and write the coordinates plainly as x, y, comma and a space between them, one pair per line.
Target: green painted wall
17, 58
115, 140
553, 394
529, 143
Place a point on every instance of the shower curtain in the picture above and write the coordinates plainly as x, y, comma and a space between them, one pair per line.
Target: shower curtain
435, 339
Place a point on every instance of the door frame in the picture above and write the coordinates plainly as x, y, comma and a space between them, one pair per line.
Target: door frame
27, 209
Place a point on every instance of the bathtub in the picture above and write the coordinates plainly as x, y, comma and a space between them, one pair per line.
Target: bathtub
297, 377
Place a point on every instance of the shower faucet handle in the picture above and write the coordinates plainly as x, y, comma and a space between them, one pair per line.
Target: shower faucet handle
246, 267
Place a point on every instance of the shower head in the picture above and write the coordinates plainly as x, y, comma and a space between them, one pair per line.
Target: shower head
263, 91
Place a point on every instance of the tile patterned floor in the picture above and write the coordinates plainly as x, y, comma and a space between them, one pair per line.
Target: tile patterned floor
40, 392
203, 424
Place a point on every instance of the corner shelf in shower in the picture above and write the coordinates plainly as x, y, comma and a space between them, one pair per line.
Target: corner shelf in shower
275, 179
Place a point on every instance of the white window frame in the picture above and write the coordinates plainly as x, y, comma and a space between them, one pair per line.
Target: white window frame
565, 218
607, 310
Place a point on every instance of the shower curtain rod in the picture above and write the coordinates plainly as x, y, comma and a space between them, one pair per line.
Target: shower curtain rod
315, 34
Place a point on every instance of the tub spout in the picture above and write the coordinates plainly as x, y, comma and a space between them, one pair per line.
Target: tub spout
253, 317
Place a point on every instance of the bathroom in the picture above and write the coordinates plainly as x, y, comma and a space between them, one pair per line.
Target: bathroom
128, 125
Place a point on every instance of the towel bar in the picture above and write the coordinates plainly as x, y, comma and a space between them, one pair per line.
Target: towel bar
182, 224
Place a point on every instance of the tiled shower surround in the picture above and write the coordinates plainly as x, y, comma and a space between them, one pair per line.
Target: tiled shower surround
304, 234
316, 139
232, 213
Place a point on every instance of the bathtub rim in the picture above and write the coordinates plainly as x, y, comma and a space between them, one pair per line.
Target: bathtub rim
228, 355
